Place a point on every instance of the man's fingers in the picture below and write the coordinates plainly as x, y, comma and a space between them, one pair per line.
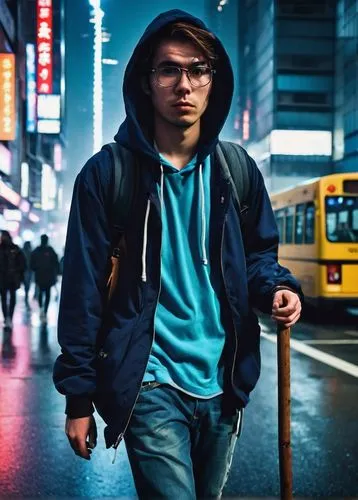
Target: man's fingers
290, 321
289, 314
292, 306
78, 431
92, 437
283, 312
80, 448
276, 304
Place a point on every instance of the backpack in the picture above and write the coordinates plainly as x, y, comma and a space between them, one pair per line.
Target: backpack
125, 182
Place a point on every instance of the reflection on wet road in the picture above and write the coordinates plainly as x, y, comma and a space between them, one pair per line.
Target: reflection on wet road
36, 460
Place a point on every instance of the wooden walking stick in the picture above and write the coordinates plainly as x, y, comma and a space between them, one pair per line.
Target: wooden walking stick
284, 412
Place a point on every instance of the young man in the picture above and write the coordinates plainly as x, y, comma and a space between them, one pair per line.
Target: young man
169, 363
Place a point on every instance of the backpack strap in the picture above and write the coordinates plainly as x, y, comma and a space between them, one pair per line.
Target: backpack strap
125, 184
125, 180
233, 161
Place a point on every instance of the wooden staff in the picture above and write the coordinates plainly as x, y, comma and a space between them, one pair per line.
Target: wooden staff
284, 412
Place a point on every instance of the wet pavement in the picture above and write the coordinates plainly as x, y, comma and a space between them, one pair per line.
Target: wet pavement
36, 460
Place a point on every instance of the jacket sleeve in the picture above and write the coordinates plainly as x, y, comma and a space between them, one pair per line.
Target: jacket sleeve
261, 239
84, 285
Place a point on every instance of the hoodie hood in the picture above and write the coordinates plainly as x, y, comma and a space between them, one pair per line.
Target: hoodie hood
136, 132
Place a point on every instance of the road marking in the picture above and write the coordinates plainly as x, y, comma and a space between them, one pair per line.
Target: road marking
332, 342
354, 333
321, 356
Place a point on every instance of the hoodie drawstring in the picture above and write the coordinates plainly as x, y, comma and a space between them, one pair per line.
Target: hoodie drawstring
145, 241
204, 258
161, 187
203, 216
145, 230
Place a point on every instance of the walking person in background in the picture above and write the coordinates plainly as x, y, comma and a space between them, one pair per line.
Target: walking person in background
170, 360
44, 263
27, 250
12, 268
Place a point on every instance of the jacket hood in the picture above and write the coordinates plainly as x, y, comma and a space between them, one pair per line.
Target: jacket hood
136, 132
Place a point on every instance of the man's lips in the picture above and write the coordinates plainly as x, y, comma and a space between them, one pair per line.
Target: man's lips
182, 104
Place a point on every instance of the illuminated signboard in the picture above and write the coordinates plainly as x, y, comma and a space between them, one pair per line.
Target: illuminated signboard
24, 206
48, 188
5, 160
30, 88
12, 215
301, 142
246, 125
9, 194
25, 179
7, 97
49, 126
44, 46
33, 217
57, 157
48, 107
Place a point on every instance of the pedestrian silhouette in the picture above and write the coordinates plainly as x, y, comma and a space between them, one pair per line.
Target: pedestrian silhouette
12, 268
44, 263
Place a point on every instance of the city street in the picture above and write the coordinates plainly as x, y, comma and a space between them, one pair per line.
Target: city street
36, 460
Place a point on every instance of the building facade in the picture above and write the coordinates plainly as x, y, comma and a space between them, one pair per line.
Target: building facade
31, 32
15, 210
345, 137
287, 87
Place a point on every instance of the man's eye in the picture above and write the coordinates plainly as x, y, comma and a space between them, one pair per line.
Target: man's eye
169, 71
199, 71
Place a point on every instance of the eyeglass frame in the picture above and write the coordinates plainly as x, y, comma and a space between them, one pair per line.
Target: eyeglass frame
181, 68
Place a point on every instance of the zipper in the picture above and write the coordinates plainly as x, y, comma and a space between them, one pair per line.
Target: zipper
121, 435
227, 296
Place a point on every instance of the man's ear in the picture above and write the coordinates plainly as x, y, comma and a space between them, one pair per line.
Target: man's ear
145, 85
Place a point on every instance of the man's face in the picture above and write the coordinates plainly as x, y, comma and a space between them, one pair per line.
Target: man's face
183, 104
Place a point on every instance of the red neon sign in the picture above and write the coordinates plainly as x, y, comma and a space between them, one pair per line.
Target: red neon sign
44, 46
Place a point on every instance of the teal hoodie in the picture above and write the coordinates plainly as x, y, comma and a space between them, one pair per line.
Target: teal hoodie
189, 336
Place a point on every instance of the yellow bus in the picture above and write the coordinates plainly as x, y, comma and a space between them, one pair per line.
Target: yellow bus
318, 226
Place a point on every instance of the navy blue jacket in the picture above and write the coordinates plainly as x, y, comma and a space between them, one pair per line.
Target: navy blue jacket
106, 346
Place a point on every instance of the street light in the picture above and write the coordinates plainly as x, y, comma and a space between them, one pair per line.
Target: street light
97, 76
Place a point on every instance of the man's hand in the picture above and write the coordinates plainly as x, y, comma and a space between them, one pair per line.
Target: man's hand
286, 308
77, 431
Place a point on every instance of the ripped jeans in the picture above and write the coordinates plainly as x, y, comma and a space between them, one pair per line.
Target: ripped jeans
180, 446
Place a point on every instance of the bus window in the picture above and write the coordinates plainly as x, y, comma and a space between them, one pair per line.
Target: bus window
290, 214
309, 223
355, 219
341, 219
300, 215
280, 220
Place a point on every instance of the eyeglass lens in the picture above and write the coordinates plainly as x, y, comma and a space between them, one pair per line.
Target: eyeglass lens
168, 76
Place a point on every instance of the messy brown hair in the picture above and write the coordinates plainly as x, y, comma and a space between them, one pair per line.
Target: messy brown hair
184, 32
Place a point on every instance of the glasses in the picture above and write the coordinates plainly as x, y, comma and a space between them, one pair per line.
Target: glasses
169, 76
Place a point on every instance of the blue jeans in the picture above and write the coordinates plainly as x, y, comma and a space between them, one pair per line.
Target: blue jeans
180, 446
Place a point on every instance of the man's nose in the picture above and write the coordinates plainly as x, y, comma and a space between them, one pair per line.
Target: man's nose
184, 82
